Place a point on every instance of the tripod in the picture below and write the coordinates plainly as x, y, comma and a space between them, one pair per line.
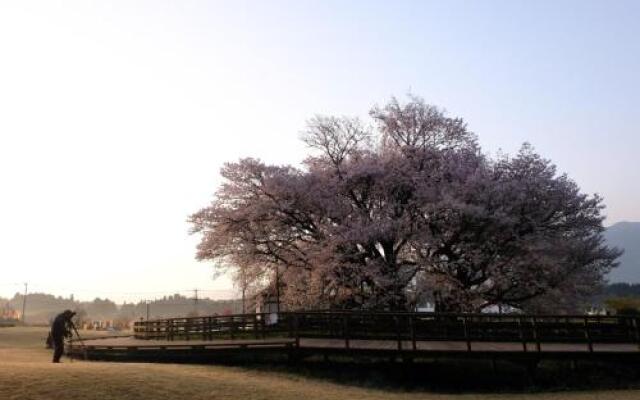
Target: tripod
84, 348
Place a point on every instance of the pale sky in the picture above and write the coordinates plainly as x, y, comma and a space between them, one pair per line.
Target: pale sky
116, 116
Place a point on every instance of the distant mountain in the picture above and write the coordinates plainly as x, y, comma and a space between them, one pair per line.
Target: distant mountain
625, 235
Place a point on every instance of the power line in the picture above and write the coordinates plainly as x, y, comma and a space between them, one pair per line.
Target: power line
112, 292
133, 297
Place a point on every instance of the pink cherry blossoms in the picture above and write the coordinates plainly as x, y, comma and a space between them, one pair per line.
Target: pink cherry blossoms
407, 213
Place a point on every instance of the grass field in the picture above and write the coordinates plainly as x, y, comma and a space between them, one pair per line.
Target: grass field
27, 373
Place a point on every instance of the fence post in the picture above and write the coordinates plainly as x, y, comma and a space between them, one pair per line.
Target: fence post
345, 330
398, 333
413, 331
587, 335
243, 326
466, 332
522, 336
255, 325
296, 328
536, 335
637, 330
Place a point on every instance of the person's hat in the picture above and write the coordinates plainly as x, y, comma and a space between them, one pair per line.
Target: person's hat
69, 313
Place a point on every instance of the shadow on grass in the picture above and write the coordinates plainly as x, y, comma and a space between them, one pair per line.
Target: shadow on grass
444, 375
455, 376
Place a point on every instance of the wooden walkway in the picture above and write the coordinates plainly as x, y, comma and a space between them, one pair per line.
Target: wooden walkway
131, 344
399, 336
132, 349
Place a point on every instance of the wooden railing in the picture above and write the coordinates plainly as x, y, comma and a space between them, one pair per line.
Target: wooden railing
405, 328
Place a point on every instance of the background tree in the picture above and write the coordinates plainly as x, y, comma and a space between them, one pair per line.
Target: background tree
382, 218
623, 305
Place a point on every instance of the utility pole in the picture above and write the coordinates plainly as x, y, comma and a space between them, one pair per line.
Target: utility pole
244, 289
24, 302
243, 286
195, 300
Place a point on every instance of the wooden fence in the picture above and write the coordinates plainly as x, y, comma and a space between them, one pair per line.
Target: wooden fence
530, 330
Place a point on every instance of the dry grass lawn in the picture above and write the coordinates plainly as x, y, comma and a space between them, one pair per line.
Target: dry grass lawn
27, 373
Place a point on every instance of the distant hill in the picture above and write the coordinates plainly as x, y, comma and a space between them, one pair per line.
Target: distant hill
626, 235
42, 307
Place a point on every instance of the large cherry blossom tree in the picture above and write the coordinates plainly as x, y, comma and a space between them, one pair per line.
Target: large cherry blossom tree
409, 211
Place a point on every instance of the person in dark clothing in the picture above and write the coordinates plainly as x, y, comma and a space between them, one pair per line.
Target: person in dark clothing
61, 329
